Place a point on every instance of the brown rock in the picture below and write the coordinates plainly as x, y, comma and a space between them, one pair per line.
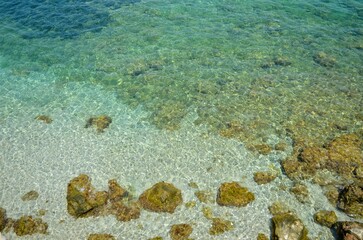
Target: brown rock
29, 196
100, 236
3, 219
115, 191
264, 177
220, 226
262, 236
125, 212
180, 231
27, 225
162, 197
314, 156
82, 199
232, 194
204, 196
351, 200
44, 118
100, 122
349, 230
301, 192
326, 218
287, 226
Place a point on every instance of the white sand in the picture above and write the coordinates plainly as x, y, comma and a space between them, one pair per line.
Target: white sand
45, 157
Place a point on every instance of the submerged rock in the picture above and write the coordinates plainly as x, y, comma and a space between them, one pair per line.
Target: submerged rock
100, 123
44, 118
29, 196
351, 200
162, 197
82, 199
264, 177
301, 192
287, 226
262, 236
349, 230
100, 236
220, 226
232, 194
3, 219
180, 231
325, 218
27, 225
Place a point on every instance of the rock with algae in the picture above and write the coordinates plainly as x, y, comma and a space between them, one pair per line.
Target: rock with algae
100, 236
349, 230
232, 194
287, 226
264, 177
351, 200
325, 218
3, 219
27, 225
162, 197
180, 231
82, 199
100, 122
220, 226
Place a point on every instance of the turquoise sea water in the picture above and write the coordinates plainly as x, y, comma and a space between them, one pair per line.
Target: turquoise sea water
287, 69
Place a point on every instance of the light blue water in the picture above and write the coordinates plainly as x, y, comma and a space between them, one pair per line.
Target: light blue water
272, 68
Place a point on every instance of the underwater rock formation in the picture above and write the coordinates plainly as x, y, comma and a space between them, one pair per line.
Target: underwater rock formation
326, 218
301, 192
100, 123
82, 198
220, 226
180, 231
44, 118
349, 230
27, 225
351, 200
100, 236
3, 218
264, 177
287, 226
162, 197
232, 194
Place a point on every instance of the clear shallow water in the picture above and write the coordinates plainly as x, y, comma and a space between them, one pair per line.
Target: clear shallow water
251, 63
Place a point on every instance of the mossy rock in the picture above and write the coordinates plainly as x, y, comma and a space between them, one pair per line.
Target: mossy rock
219, 226
232, 194
262, 236
325, 218
162, 197
126, 212
204, 196
349, 230
100, 122
264, 177
100, 236
288, 226
27, 225
30, 196
82, 199
180, 231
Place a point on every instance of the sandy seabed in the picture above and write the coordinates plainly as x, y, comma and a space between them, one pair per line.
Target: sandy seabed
45, 157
